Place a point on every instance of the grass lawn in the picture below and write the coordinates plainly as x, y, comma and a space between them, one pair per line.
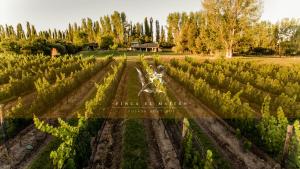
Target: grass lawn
284, 61
102, 53
43, 158
135, 149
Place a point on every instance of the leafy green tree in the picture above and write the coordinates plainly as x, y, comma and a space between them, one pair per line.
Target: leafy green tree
70, 34
33, 31
285, 32
10, 45
80, 38
28, 32
230, 18
106, 25
20, 31
259, 39
192, 33
118, 28
151, 30
106, 42
162, 35
90, 30
181, 41
157, 28
173, 27
139, 33
147, 30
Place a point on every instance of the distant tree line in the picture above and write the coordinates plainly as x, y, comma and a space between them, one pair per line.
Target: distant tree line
109, 32
232, 27
223, 27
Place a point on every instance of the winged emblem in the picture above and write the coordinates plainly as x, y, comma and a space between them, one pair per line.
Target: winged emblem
156, 75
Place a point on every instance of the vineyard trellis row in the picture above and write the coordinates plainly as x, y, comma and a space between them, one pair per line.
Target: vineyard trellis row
66, 153
271, 127
17, 79
237, 91
191, 156
48, 94
256, 81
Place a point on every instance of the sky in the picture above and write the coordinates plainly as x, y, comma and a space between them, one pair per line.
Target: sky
45, 14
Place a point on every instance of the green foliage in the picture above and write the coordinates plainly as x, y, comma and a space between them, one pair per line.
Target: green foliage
48, 95
75, 149
293, 161
10, 45
80, 38
191, 158
135, 149
215, 33
272, 129
255, 80
209, 160
67, 134
106, 42
135, 146
212, 83
43, 158
287, 30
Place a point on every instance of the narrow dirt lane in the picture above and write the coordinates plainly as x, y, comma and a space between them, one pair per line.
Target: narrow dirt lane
158, 137
107, 147
162, 152
230, 145
26, 145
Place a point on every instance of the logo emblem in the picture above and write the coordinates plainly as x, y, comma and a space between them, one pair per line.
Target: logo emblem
155, 75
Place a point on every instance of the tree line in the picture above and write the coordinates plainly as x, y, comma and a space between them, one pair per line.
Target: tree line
232, 27
222, 27
109, 32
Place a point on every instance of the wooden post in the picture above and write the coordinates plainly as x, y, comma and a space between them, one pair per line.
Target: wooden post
54, 52
288, 137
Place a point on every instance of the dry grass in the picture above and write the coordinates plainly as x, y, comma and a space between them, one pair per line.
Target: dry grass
284, 61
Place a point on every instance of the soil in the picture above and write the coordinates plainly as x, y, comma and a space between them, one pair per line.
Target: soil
25, 100
162, 151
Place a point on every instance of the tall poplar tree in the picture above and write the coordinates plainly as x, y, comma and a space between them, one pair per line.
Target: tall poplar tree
28, 30
151, 30
157, 29
162, 35
20, 32
147, 30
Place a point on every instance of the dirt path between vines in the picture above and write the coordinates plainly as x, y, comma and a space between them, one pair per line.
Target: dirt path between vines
162, 153
225, 140
26, 145
107, 147
25, 100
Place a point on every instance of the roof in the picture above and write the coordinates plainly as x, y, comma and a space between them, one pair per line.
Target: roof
145, 45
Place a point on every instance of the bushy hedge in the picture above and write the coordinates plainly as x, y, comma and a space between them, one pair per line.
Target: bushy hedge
38, 46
